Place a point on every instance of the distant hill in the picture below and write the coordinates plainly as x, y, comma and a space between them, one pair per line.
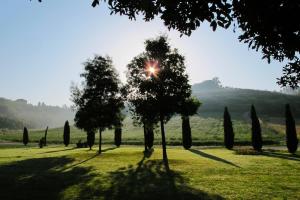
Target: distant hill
18, 113
268, 104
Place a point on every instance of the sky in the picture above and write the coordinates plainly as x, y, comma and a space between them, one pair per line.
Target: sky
43, 46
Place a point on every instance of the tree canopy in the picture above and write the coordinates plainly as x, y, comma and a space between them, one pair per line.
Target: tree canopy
157, 83
100, 102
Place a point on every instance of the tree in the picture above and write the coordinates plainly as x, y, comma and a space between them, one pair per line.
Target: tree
256, 131
291, 134
118, 136
25, 136
90, 139
159, 74
66, 133
45, 137
228, 130
100, 102
187, 109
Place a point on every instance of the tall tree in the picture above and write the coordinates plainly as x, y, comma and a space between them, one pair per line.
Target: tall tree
159, 74
188, 108
25, 136
66, 133
291, 134
100, 102
256, 131
228, 130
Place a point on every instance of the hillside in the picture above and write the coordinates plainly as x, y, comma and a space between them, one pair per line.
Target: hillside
19, 113
214, 97
269, 105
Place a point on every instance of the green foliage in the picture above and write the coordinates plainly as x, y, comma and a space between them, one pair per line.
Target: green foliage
99, 103
291, 134
228, 130
25, 136
66, 133
256, 130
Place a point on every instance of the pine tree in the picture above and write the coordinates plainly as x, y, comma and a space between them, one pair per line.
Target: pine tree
25, 136
90, 138
188, 108
67, 134
256, 131
228, 130
291, 134
118, 136
186, 132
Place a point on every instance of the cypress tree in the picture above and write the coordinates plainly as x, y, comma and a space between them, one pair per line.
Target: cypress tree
90, 138
291, 134
149, 137
256, 131
118, 136
67, 134
25, 136
228, 130
186, 132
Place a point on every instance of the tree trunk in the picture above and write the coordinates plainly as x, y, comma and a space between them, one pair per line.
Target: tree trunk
145, 138
163, 142
100, 140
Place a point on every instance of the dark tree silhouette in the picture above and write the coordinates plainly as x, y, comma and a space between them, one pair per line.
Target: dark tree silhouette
269, 25
66, 133
149, 137
45, 137
100, 102
159, 74
118, 136
228, 130
25, 136
256, 131
291, 134
90, 139
188, 108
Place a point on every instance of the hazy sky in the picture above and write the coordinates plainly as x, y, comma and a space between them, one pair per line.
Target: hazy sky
43, 46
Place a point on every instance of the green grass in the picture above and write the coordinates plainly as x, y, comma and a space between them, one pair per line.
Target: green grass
204, 130
56, 172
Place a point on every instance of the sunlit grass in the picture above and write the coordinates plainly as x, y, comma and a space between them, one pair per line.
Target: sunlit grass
55, 172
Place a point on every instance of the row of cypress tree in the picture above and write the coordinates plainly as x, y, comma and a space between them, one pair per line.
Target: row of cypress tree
256, 133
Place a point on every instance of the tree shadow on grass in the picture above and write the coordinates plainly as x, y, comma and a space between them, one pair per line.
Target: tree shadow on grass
55, 151
215, 158
278, 154
147, 180
39, 178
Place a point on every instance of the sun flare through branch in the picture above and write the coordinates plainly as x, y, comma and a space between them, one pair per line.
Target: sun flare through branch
151, 68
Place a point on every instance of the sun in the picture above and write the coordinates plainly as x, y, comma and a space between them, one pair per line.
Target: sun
151, 69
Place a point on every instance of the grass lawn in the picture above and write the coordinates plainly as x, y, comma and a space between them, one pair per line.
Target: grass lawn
56, 172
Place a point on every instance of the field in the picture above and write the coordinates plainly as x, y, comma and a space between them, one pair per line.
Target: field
56, 172
205, 131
